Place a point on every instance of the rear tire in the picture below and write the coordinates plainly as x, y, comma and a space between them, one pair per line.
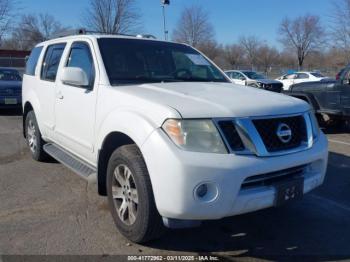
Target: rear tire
130, 196
34, 139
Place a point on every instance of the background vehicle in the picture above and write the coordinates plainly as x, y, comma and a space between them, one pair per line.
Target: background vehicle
251, 78
329, 97
300, 77
10, 88
337, 77
161, 129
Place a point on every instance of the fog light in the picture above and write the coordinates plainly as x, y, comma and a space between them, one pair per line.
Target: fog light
206, 192
202, 190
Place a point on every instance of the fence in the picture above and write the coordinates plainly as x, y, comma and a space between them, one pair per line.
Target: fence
276, 71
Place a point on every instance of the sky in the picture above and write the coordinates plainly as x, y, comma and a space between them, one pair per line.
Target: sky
230, 18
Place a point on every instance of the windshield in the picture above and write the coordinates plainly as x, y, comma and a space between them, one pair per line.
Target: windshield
317, 75
130, 61
253, 75
9, 75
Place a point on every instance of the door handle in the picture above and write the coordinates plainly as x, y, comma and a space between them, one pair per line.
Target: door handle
60, 95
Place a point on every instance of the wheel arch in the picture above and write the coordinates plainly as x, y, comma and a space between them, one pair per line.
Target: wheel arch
112, 141
26, 109
308, 98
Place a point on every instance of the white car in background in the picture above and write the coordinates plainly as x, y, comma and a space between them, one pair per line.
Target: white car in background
300, 77
254, 79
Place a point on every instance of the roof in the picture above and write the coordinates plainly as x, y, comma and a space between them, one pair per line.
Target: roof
94, 37
239, 71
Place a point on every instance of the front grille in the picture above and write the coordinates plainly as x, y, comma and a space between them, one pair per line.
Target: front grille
267, 129
8, 92
272, 178
229, 131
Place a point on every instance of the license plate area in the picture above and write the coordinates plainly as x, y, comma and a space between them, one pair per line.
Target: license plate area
10, 101
289, 190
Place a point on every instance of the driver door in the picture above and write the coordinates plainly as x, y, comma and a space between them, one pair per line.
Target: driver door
75, 105
288, 80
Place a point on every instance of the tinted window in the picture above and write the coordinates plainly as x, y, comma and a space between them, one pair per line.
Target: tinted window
9, 75
33, 60
80, 56
143, 61
51, 62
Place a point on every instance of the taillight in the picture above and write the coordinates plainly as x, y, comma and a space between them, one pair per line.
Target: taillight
337, 76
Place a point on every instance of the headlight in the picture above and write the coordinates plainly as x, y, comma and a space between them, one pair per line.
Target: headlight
315, 126
195, 135
260, 84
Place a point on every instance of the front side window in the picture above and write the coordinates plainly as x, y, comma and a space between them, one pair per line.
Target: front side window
51, 62
130, 61
33, 60
80, 56
318, 75
238, 76
302, 76
9, 75
290, 76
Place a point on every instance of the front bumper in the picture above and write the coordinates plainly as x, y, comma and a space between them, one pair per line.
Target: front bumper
176, 173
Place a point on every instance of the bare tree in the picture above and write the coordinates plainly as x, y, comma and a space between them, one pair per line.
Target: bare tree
113, 16
251, 45
303, 34
210, 48
267, 57
6, 11
341, 26
234, 55
193, 27
33, 29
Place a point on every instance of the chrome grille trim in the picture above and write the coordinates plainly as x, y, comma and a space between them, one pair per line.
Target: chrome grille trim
252, 140
265, 179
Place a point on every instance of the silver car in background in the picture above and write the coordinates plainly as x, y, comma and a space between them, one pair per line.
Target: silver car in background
254, 79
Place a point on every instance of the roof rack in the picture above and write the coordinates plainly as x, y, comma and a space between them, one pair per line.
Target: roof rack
83, 31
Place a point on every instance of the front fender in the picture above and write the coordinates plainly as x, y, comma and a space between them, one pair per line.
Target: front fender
131, 123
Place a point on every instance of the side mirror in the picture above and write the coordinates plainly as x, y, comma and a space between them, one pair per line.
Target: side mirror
74, 76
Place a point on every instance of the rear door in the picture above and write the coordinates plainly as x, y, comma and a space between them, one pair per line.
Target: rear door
75, 106
339, 94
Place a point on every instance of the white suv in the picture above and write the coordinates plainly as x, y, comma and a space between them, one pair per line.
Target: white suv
168, 138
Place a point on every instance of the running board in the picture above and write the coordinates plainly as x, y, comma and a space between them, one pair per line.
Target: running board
77, 165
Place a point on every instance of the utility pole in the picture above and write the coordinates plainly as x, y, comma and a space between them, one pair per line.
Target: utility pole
164, 3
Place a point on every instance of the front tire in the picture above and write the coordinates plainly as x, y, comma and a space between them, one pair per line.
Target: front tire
130, 196
34, 139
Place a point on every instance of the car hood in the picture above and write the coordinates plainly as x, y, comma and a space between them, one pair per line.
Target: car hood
268, 81
203, 100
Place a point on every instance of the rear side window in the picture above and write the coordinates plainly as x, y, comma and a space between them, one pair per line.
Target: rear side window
80, 56
33, 60
51, 62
